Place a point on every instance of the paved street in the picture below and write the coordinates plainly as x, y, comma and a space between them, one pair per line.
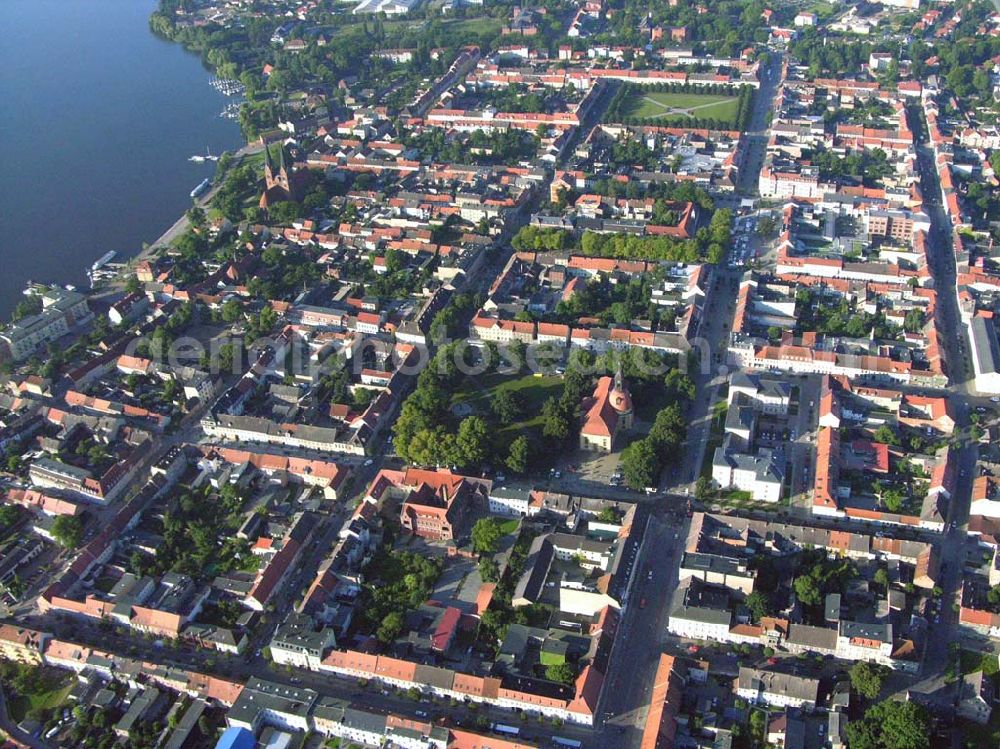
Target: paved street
710, 370
955, 346
630, 678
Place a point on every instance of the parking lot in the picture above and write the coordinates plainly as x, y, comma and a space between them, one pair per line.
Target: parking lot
749, 247
593, 473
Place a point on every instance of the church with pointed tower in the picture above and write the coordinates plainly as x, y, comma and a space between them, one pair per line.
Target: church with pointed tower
608, 412
281, 182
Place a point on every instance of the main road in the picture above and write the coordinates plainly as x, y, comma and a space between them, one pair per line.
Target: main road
954, 343
640, 640
711, 372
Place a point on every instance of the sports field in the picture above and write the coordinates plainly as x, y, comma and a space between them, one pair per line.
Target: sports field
672, 107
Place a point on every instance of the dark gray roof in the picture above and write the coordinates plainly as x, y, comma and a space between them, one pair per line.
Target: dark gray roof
773, 682
832, 606
819, 639
536, 569
261, 695
441, 678
714, 563
880, 632
984, 344
363, 720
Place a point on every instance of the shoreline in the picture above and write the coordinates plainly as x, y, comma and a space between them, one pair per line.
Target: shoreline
135, 202
181, 224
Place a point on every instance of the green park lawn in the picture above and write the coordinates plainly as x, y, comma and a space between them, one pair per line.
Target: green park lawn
478, 392
674, 107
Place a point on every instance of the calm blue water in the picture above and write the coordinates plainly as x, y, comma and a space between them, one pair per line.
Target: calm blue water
97, 120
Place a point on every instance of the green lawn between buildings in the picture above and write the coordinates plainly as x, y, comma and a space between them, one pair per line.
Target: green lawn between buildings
531, 391
676, 107
37, 704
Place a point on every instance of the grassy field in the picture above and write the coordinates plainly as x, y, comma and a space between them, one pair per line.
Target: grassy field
676, 107
507, 527
531, 392
481, 25
36, 704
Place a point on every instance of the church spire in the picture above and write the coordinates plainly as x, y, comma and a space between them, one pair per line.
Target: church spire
619, 378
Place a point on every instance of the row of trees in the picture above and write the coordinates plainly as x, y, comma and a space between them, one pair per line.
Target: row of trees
539, 239
708, 244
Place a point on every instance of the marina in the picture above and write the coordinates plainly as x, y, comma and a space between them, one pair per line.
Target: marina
102, 268
231, 111
227, 86
199, 159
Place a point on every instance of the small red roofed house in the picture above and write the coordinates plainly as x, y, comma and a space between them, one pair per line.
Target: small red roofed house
445, 630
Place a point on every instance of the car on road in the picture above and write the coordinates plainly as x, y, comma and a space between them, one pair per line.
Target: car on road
995, 399
642, 603
693, 648
368, 462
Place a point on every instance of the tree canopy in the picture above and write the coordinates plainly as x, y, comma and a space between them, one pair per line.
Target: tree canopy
891, 725
68, 531
867, 679
486, 535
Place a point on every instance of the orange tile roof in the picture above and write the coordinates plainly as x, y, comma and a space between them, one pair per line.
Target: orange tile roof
660, 728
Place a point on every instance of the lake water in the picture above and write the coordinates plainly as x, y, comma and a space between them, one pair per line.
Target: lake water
97, 120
